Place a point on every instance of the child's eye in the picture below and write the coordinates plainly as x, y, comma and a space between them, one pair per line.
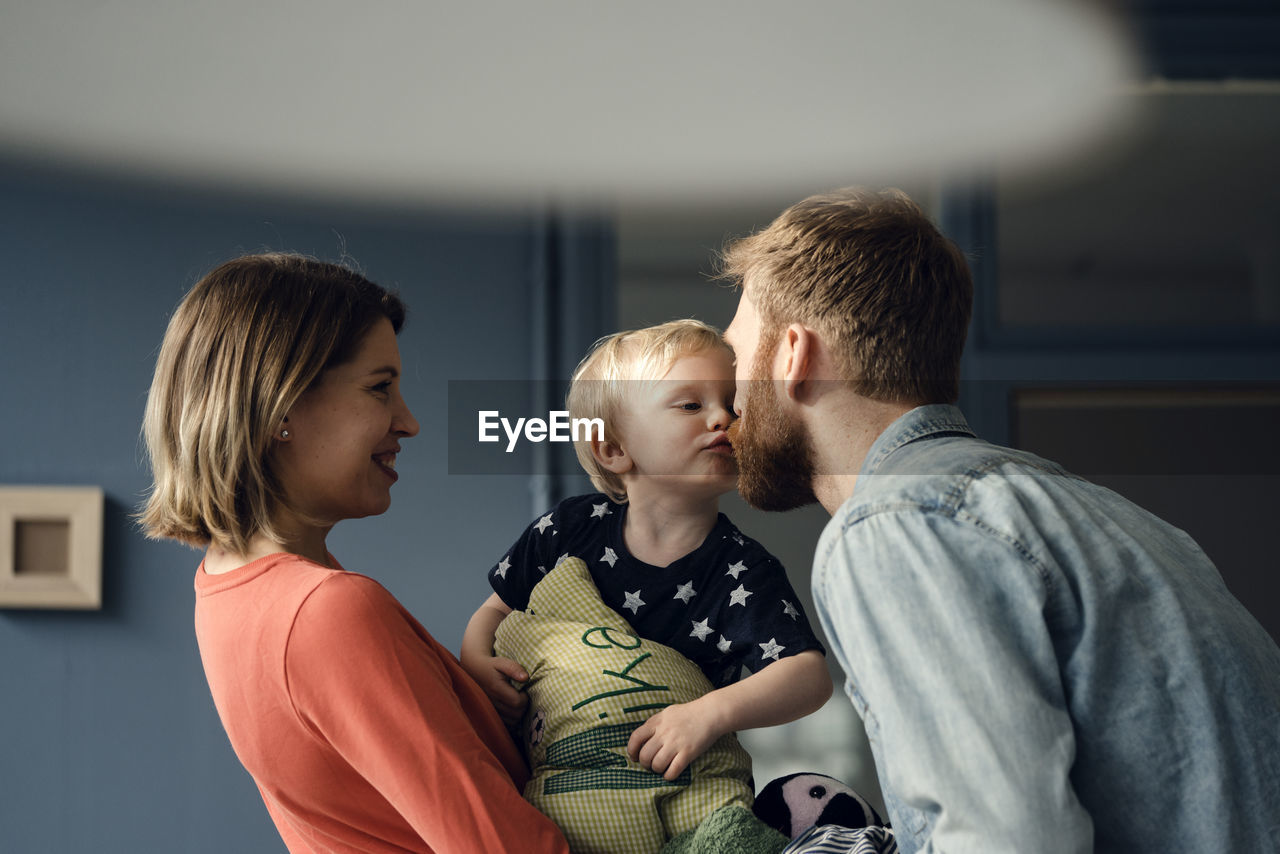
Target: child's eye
691, 406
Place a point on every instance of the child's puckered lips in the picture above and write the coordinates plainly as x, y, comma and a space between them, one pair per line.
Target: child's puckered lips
720, 443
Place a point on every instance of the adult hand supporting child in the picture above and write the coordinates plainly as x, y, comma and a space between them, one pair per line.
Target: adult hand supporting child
493, 673
782, 692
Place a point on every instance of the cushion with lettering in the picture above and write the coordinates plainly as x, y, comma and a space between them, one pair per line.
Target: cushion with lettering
592, 681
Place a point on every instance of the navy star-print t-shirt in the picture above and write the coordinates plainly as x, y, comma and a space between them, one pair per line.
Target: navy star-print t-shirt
725, 605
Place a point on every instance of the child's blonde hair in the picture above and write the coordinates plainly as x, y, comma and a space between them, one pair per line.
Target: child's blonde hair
600, 382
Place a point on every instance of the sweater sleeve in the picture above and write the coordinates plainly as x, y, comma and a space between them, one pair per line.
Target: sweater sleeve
368, 683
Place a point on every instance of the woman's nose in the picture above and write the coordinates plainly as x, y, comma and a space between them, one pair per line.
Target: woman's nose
404, 423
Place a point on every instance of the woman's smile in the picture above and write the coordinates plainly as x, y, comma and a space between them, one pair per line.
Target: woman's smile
387, 462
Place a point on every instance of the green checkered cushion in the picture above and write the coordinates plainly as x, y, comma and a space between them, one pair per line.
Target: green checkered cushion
592, 682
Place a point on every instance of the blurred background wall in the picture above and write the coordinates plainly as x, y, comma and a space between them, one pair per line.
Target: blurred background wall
1126, 324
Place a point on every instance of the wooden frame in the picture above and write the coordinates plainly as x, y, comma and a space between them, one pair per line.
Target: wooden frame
51, 547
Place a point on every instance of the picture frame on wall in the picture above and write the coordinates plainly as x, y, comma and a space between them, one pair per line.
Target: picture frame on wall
51, 547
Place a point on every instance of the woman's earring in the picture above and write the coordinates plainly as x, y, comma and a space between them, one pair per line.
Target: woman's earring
284, 434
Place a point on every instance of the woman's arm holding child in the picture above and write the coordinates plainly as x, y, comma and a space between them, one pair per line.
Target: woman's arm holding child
493, 673
781, 692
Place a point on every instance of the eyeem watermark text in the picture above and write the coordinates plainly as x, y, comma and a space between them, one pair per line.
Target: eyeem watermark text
558, 427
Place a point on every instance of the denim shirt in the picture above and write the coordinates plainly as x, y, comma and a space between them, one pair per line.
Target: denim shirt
1041, 665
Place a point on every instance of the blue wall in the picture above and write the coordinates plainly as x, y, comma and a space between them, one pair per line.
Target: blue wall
108, 738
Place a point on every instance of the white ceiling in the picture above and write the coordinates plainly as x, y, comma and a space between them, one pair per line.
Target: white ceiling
659, 100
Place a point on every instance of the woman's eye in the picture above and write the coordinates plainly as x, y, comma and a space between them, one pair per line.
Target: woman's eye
382, 388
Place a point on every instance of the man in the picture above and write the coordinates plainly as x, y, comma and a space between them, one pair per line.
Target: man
1041, 665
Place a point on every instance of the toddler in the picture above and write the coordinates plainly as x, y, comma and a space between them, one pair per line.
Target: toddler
659, 550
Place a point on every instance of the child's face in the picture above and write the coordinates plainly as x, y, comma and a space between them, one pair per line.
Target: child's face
676, 425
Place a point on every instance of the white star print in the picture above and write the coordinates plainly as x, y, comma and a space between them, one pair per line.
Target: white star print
789, 609
701, 630
770, 649
739, 596
610, 556
737, 538
735, 568
543, 523
685, 592
633, 602
503, 566
600, 510
724, 645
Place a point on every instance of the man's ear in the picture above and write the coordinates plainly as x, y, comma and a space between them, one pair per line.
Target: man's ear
798, 352
611, 456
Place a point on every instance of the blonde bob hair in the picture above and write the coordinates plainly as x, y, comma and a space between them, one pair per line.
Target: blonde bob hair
611, 369
243, 345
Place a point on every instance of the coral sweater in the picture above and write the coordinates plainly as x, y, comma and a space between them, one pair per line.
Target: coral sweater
361, 731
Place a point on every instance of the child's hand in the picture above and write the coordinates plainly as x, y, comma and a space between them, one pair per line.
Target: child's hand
494, 675
671, 739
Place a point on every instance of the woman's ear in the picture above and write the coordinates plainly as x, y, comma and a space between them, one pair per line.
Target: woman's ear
611, 456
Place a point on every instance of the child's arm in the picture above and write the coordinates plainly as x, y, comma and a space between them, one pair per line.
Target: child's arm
781, 692
492, 672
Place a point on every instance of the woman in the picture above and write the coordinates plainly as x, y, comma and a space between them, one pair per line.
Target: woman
275, 412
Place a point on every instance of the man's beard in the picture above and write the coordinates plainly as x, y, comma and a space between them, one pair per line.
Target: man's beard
773, 449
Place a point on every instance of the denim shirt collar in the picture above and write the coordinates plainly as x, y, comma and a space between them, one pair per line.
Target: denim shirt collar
918, 423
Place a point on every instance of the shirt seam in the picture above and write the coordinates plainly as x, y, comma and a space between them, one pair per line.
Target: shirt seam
949, 507
288, 643
931, 426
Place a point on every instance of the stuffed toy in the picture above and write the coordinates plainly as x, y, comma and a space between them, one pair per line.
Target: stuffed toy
793, 804
731, 829
592, 681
